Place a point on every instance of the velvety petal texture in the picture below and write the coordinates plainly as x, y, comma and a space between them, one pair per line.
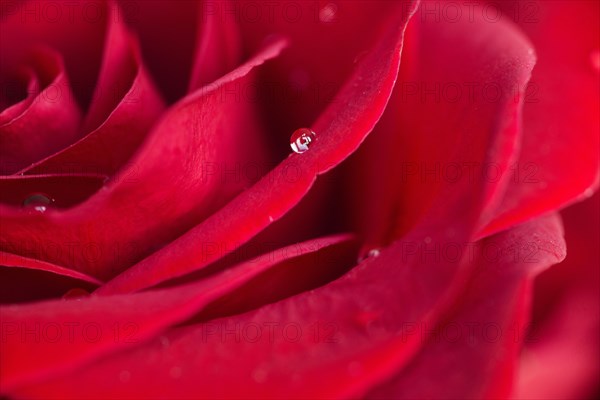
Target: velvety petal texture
341, 128
135, 317
195, 127
163, 236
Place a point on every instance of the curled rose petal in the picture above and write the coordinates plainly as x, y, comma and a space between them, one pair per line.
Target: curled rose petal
11, 260
50, 121
178, 193
340, 130
138, 316
426, 159
340, 351
473, 353
565, 35
219, 47
125, 97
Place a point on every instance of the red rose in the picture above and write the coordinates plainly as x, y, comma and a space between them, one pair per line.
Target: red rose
145, 160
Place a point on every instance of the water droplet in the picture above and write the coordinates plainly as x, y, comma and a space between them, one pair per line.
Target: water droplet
327, 14
125, 376
271, 219
38, 202
427, 239
369, 254
76, 294
176, 372
301, 139
595, 60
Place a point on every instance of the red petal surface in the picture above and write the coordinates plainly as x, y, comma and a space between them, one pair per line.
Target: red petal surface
361, 337
565, 35
50, 121
11, 260
121, 321
166, 179
328, 41
566, 321
167, 30
74, 30
219, 45
442, 129
125, 99
340, 130
63, 190
11, 103
473, 353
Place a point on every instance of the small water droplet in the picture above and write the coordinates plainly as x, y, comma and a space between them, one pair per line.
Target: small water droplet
125, 376
271, 219
301, 140
427, 239
76, 294
595, 60
176, 372
38, 202
328, 12
369, 254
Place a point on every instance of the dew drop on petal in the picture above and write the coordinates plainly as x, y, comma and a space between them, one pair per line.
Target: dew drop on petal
328, 13
76, 294
301, 140
38, 202
371, 253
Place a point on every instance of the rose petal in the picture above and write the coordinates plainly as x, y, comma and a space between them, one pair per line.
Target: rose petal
167, 177
125, 98
166, 29
442, 131
566, 319
50, 122
340, 130
361, 338
328, 41
27, 24
11, 260
29, 82
62, 191
219, 46
565, 35
137, 317
473, 354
